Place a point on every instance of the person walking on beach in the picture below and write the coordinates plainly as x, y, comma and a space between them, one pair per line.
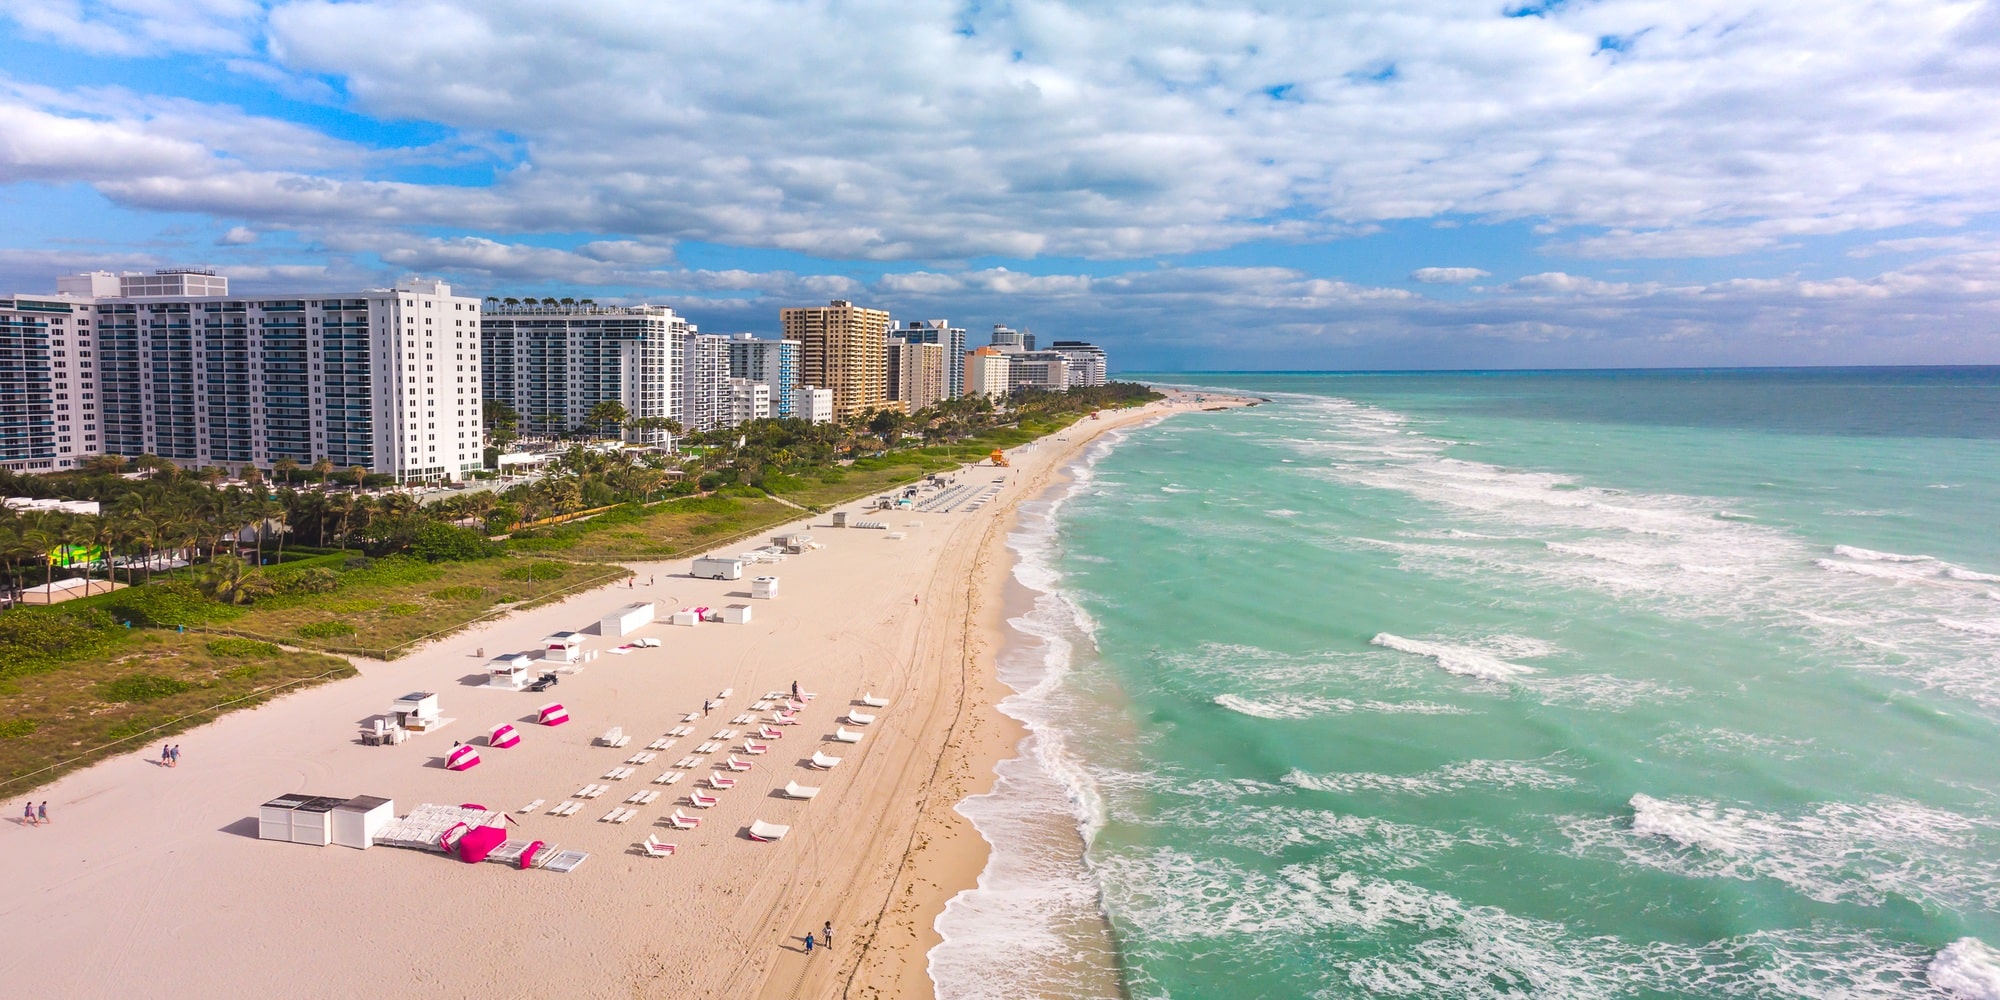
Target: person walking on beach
166, 755
175, 753
42, 813
828, 931
809, 942
28, 816
795, 690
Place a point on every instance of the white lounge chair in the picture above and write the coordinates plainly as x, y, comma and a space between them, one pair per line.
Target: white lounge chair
625, 816
846, 735
859, 719
736, 765
641, 758
691, 760
725, 695
660, 744
532, 806
560, 806
709, 747
612, 815
871, 701
726, 734
824, 762
767, 832
755, 748
572, 809
743, 720
794, 790
720, 783
668, 778
700, 801
681, 822
769, 733
679, 731
657, 848
783, 719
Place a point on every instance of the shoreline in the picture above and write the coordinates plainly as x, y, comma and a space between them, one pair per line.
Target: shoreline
949, 856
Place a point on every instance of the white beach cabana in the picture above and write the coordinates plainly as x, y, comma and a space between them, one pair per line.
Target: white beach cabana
627, 619
509, 671
766, 832
357, 820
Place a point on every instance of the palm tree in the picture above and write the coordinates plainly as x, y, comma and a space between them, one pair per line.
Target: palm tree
282, 469
360, 474
232, 581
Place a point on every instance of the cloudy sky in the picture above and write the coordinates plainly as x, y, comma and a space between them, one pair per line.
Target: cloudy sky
1197, 185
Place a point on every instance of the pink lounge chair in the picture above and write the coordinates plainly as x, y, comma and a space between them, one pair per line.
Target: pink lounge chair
720, 783
756, 748
680, 822
770, 733
700, 801
657, 848
736, 765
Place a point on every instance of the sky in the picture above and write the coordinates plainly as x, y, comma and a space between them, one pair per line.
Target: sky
1293, 184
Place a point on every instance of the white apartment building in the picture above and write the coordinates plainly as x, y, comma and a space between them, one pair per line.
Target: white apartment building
1038, 370
1087, 364
815, 405
988, 371
748, 400
48, 383
554, 363
705, 392
384, 379
776, 363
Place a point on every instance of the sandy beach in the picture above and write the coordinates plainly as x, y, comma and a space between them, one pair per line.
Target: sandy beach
151, 881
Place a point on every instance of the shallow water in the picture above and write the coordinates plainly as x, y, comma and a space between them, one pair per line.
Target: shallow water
1610, 684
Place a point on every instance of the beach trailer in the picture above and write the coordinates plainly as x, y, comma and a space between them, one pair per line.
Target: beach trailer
416, 711
764, 588
563, 647
553, 714
709, 568
629, 618
509, 671
357, 820
736, 614
462, 758
503, 736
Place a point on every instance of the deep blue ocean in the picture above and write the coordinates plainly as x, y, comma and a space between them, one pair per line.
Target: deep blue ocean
1607, 684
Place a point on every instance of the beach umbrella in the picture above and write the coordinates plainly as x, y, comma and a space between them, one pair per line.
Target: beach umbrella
503, 735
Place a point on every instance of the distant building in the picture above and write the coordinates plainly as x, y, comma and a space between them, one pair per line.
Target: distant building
705, 398
748, 400
845, 351
815, 405
1087, 365
917, 374
171, 364
942, 333
554, 363
1038, 370
1006, 339
776, 363
987, 372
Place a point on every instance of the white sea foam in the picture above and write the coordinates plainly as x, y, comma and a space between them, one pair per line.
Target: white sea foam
1870, 555
1455, 777
1975, 628
1463, 660
1859, 853
1961, 573
1313, 708
1967, 968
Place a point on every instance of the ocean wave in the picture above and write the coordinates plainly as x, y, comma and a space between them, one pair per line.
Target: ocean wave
1281, 708
1967, 968
1870, 555
1465, 661
1859, 853
1455, 777
1974, 628
1970, 576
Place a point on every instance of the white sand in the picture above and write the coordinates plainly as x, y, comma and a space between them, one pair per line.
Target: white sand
150, 881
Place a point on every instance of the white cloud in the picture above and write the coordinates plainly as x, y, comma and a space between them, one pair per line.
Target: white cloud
139, 27
237, 236
1448, 275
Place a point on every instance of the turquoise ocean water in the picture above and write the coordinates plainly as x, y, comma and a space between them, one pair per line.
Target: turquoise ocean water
1670, 684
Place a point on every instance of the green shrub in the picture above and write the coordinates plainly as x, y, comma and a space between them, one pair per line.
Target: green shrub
35, 639
313, 580
461, 593
325, 630
169, 603
245, 672
391, 570
436, 542
232, 646
141, 687
540, 543
778, 482
542, 570
402, 610
351, 606
133, 726
13, 729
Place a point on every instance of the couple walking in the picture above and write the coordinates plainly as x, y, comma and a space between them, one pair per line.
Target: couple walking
827, 930
170, 756
34, 816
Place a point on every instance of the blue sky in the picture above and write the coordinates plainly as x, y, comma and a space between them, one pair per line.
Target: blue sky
1285, 184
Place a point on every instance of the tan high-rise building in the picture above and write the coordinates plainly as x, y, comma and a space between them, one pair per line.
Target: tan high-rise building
846, 350
917, 374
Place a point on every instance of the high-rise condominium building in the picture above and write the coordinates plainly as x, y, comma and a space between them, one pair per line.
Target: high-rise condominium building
175, 366
707, 386
1038, 370
554, 363
776, 363
845, 348
951, 338
987, 371
1087, 365
917, 374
